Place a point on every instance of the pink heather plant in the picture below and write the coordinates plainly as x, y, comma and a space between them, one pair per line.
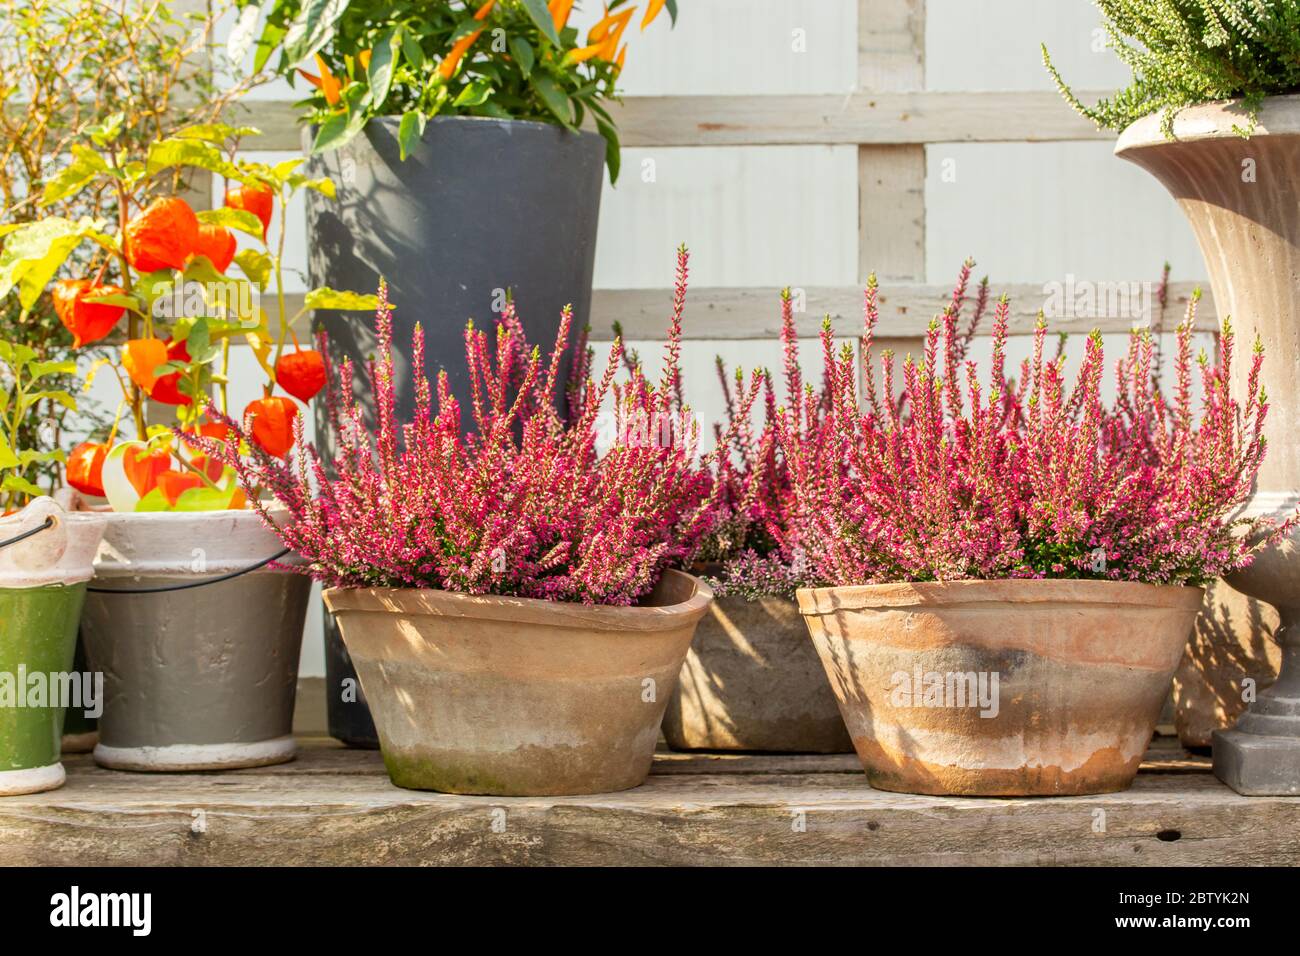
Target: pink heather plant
1029, 480
524, 504
762, 538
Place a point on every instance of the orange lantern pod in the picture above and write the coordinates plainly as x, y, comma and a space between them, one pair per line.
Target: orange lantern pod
143, 468
255, 198
167, 389
173, 483
163, 236
85, 469
87, 321
270, 422
218, 244
141, 358
301, 373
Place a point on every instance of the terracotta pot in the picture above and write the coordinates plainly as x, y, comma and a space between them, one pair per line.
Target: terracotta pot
1242, 198
1001, 688
517, 697
752, 681
1232, 643
42, 587
202, 678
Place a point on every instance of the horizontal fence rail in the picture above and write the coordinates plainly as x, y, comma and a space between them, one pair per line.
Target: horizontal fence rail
905, 308
856, 118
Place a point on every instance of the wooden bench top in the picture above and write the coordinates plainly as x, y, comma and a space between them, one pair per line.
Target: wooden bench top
334, 806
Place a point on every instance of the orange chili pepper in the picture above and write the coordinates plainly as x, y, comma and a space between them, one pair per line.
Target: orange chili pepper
583, 54
301, 373
143, 468
162, 236
218, 244
173, 483
447, 68
622, 56
364, 59
87, 321
85, 470
270, 421
255, 198
329, 84
560, 10
651, 11
608, 23
141, 358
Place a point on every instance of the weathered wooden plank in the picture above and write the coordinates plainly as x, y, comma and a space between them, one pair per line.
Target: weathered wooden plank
905, 308
336, 807
891, 44
857, 118
754, 313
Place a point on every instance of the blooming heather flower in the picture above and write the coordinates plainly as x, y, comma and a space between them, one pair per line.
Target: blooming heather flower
523, 503
1028, 480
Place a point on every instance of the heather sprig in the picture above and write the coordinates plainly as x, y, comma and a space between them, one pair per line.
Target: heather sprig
524, 502
1184, 52
1034, 479
763, 535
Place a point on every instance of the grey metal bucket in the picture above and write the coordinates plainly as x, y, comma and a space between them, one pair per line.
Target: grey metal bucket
480, 206
202, 678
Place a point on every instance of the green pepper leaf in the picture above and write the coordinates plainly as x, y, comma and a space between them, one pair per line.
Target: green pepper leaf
541, 16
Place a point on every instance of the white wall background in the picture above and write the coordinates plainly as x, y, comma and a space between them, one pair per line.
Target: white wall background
772, 216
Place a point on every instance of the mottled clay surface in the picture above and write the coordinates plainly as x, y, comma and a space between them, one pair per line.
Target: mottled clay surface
1083, 670
752, 681
517, 697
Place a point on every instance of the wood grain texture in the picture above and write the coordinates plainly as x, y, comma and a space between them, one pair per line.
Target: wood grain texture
905, 309
335, 807
862, 117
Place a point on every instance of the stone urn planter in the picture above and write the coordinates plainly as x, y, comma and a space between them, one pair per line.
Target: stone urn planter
1001, 688
1231, 657
198, 675
42, 588
507, 696
753, 682
433, 225
1242, 198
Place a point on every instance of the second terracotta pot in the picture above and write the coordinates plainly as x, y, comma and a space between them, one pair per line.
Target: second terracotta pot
507, 696
753, 682
1001, 688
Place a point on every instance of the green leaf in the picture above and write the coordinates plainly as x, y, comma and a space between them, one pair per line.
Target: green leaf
7, 457
38, 370
475, 93
555, 101
26, 458
85, 168
240, 40
337, 131
409, 131
169, 153
323, 185
267, 44
15, 482
107, 132
55, 395
613, 154
312, 28
327, 298
216, 132
412, 51
383, 63
671, 7
464, 29
34, 253
240, 219
522, 51
542, 17
256, 265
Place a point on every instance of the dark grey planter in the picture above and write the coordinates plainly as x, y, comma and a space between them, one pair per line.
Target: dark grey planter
480, 206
